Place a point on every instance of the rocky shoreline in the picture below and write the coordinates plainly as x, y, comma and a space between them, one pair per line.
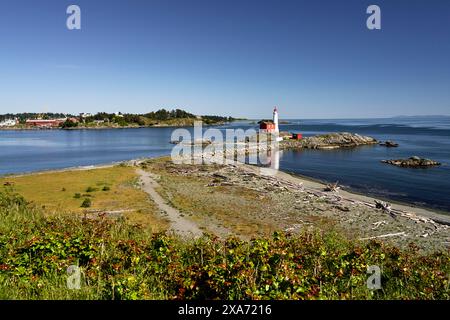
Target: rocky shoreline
329, 141
413, 162
291, 203
265, 143
262, 144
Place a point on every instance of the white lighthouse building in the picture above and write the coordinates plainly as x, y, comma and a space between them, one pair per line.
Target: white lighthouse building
268, 126
275, 120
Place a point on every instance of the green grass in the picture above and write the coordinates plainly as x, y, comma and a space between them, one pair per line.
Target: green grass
121, 261
108, 189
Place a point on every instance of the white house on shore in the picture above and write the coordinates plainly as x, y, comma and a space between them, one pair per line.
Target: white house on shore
9, 123
85, 115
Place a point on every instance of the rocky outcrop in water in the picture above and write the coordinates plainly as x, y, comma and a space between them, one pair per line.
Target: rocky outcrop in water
389, 144
413, 162
203, 142
329, 141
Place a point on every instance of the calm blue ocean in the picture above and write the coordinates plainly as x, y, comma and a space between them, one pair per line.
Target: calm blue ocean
359, 169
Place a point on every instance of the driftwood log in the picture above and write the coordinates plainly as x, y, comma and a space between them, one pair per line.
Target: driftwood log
332, 187
385, 236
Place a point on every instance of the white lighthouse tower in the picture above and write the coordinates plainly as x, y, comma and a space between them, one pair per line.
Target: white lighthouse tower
275, 120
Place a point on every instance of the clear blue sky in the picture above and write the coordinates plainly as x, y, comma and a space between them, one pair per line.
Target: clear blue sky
313, 59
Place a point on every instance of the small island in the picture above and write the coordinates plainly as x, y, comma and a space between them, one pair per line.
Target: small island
412, 162
329, 141
389, 144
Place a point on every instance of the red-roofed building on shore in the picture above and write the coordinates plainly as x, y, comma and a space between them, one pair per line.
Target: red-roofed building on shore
270, 126
266, 126
44, 123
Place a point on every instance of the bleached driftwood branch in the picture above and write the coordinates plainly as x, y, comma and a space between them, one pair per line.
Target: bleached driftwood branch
385, 236
332, 187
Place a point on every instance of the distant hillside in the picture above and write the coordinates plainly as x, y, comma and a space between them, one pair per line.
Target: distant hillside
22, 117
161, 117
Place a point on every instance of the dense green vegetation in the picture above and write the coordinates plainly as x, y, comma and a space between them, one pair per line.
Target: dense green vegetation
120, 261
22, 117
154, 117
161, 116
69, 124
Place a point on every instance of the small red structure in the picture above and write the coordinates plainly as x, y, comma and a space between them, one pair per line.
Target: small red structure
267, 126
74, 120
41, 123
297, 136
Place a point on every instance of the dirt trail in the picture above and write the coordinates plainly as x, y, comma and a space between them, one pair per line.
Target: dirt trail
179, 224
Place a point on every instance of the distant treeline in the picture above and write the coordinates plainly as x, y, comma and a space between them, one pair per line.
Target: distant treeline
22, 117
161, 115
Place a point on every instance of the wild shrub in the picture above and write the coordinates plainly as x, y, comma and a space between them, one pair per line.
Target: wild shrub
121, 261
91, 189
86, 203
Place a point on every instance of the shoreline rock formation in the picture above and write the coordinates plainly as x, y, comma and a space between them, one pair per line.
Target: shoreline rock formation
329, 141
389, 144
412, 162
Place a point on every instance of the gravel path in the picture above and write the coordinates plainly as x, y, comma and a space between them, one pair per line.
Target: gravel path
179, 224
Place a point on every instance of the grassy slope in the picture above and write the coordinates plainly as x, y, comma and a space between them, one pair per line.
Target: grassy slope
119, 261
55, 193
